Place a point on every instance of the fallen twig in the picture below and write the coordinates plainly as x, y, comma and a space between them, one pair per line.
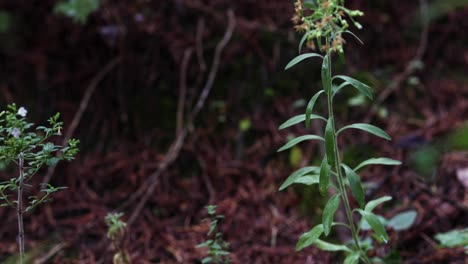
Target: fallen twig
147, 189
409, 69
82, 108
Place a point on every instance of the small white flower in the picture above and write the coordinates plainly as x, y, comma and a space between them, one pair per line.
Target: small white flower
22, 112
16, 132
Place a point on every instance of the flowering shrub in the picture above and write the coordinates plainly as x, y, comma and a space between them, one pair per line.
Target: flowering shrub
29, 150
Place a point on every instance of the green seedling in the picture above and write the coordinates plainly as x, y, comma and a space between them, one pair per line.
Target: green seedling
116, 232
217, 249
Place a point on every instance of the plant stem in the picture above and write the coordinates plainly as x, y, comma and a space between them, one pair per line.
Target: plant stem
19, 208
339, 172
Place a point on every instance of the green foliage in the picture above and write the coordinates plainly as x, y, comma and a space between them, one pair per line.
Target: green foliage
329, 213
29, 150
297, 140
78, 10
454, 238
299, 174
401, 221
324, 23
115, 226
217, 249
116, 231
245, 124
19, 144
5, 21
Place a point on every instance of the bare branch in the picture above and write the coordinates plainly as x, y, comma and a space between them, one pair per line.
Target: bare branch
149, 186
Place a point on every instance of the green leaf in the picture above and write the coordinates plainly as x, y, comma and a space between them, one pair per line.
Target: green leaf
355, 184
310, 5
354, 35
297, 140
368, 128
301, 43
352, 258
324, 182
364, 226
298, 119
326, 79
79, 10
309, 238
325, 246
361, 87
375, 224
207, 260
374, 203
329, 213
308, 179
298, 174
330, 143
310, 107
453, 238
402, 220
377, 161
300, 58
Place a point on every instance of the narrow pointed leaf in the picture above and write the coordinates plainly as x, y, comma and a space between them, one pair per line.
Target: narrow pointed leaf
300, 58
308, 179
292, 121
368, 128
309, 238
329, 213
297, 140
298, 119
355, 184
377, 161
337, 89
326, 78
375, 224
354, 35
298, 174
325, 246
361, 87
330, 143
324, 183
310, 107
371, 205
352, 258
301, 43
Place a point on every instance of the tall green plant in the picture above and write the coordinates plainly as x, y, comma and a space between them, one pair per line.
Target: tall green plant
324, 23
29, 151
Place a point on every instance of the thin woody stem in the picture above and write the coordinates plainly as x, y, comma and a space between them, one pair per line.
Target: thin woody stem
19, 208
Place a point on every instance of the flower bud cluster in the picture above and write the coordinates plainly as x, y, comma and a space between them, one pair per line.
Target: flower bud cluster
323, 22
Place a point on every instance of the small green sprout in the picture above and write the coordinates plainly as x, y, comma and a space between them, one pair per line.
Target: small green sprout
217, 249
